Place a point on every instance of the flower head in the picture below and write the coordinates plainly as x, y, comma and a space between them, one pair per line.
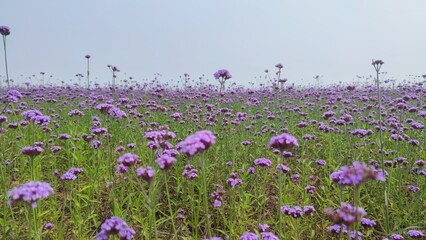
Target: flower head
356, 174
4, 30
283, 142
30, 192
197, 143
115, 225
222, 73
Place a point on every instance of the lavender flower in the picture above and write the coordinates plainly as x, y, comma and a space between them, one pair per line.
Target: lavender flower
283, 142
249, 236
165, 162
346, 214
30, 192
115, 225
4, 30
268, 236
129, 159
31, 151
366, 222
197, 143
146, 174
356, 174
263, 162
416, 234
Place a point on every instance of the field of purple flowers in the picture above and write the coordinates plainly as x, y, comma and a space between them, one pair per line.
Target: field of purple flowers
153, 161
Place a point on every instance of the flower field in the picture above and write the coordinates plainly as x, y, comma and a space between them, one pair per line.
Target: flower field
159, 162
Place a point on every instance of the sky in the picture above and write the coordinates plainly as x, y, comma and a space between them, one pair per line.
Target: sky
333, 38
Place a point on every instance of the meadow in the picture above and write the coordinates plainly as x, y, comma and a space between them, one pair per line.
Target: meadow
155, 161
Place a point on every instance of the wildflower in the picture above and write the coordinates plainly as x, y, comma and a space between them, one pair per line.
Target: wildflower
32, 151
146, 174
295, 212
222, 73
414, 189
268, 236
283, 142
4, 30
356, 174
263, 162
48, 226
30, 192
251, 170
346, 214
320, 162
197, 143
249, 236
165, 161
368, 222
115, 225
310, 189
308, 210
396, 237
283, 168
416, 234
234, 181
263, 227
129, 159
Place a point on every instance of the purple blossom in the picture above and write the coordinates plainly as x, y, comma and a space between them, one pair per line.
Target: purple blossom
356, 174
346, 214
366, 222
222, 73
129, 159
113, 226
416, 234
31, 151
283, 142
263, 162
197, 143
268, 236
165, 162
30, 192
4, 30
146, 174
249, 236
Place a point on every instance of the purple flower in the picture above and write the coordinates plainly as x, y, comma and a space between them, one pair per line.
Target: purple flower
356, 174
13, 95
283, 168
263, 227
346, 214
115, 225
32, 151
129, 159
414, 189
283, 142
310, 189
295, 212
251, 170
308, 210
197, 143
396, 237
268, 236
96, 144
320, 162
222, 73
48, 226
4, 30
263, 162
416, 234
165, 162
234, 181
30, 192
68, 176
249, 236
366, 222
146, 174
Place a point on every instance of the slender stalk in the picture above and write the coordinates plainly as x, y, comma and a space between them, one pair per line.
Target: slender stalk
5, 61
377, 65
169, 203
206, 207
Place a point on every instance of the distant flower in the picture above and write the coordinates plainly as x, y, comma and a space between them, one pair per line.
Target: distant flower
222, 73
279, 66
414, 189
251, 170
87, 56
263, 162
48, 226
31, 151
30, 192
234, 181
197, 143
115, 226
165, 162
366, 222
129, 159
4, 30
346, 214
249, 236
396, 237
263, 227
356, 174
268, 236
283, 168
321, 162
416, 234
146, 174
284, 141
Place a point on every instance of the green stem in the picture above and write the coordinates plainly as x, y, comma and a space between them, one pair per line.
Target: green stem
5, 61
206, 207
169, 203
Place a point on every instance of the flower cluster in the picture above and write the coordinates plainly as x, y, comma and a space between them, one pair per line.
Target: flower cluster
30, 192
115, 226
284, 141
297, 211
197, 143
356, 174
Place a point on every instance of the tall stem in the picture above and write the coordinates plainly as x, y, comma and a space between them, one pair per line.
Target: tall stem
88, 79
379, 95
170, 206
5, 61
206, 207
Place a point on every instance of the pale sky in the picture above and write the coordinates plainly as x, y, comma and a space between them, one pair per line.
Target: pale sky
334, 38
